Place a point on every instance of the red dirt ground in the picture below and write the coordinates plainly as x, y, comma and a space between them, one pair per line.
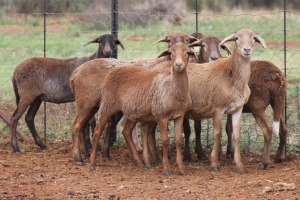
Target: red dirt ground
51, 174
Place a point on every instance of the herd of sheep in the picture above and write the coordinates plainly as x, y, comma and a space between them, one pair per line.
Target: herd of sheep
180, 84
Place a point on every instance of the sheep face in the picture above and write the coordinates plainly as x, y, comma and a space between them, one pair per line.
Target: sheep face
179, 54
244, 41
176, 37
106, 43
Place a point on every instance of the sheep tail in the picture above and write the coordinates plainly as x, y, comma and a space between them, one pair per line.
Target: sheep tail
16, 91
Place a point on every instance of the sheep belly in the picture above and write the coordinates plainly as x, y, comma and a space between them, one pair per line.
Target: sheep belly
56, 92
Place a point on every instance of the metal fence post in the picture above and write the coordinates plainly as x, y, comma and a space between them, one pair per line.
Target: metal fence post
114, 24
45, 105
196, 15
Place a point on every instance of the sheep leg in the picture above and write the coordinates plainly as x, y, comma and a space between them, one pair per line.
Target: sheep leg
78, 132
97, 135
152, 143
29, 118
146, 152
187, 133
113, 121
178, 136
127, 133
21, 108
90, 125
217, 126
163, 126
198, 147
265, 127
280, 155
229, 151
236, 126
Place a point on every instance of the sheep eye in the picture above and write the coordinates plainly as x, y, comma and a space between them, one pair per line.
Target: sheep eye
236, 38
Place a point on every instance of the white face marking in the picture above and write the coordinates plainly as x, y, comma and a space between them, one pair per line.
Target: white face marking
275, 128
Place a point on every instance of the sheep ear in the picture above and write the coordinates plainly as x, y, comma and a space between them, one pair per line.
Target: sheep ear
96, 40
198, 35
118, 42
228, 39
192, 39
197, 43
164, 39
165, 52
258, 39
192, 52
224, 47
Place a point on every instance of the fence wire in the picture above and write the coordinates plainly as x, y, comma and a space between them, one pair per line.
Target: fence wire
23, 37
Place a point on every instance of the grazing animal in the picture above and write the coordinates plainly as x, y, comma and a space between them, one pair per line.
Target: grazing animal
47, 79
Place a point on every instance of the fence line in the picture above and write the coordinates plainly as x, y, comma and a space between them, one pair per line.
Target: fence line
140, 31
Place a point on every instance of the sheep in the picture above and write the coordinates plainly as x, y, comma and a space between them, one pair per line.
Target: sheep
221, 87
158, 94
81, 85
47, 79
268, 87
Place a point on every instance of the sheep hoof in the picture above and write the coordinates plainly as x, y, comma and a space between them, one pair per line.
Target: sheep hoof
202, 156
182, 172
229, 155
93, 167
43, 147
148, 166
167, 173
79, 163
263, 166
216, 169
187, 158
16, 151
279, 159
240, 170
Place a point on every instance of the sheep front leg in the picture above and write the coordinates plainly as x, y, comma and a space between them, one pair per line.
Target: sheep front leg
217, 127
236, 122
127, 133
163, 126
178, 136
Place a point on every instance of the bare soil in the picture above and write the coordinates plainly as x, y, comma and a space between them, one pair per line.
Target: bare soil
51, 174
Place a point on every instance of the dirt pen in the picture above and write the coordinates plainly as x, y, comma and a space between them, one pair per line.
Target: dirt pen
51, 174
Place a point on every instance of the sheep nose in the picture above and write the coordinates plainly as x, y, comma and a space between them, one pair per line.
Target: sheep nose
214, 58
178, 65
247, 50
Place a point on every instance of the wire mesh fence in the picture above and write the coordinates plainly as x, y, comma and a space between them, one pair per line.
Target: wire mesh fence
23, 37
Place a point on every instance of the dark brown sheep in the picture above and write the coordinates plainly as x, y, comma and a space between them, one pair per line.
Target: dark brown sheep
47, 79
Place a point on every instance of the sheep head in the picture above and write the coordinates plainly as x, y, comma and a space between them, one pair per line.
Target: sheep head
177, 37
244, 41
107, 43
209, 48
179, 54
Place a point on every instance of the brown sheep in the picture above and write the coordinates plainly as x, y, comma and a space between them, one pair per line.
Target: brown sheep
47, 79
268, 87
158, 94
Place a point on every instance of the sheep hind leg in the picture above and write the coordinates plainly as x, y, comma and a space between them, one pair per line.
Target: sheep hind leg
178, 136
280, 155
146, 147
187, 133
21, 108
163, 126
236, 126
127, 133
29, 118
265, 127
229, 151
152, 144
198, 147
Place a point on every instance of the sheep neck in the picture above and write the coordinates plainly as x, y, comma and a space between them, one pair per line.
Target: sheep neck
180, 80
240, 69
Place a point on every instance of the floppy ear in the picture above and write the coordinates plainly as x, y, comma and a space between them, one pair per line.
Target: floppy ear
197, 43
118, 42
228, 39
164, 39
224, 47
258, 39
192, 52
96, 40
165, 52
